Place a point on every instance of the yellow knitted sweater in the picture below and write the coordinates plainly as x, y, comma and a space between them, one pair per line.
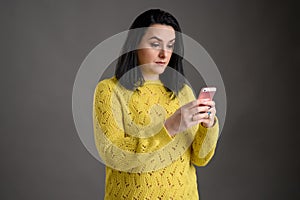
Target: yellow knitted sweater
142, 160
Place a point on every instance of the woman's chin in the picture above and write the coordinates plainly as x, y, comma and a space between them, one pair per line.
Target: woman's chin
160, 69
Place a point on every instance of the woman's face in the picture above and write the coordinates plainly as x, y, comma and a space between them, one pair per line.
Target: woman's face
155, 50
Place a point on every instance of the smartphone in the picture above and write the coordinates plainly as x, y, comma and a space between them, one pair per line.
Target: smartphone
207, 93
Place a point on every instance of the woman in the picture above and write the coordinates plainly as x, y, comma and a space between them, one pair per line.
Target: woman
149, 129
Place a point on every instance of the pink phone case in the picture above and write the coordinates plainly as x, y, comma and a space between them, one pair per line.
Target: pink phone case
207, 93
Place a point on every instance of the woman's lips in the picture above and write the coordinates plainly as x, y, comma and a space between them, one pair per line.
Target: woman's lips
160, 63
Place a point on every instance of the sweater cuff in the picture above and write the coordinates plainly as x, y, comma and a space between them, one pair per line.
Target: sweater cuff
213, 129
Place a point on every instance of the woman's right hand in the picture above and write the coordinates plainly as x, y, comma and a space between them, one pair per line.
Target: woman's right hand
183, 118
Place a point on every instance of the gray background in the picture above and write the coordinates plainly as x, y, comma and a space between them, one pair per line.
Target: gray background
254, 44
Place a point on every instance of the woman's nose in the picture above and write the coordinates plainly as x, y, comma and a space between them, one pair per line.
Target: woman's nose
162, 53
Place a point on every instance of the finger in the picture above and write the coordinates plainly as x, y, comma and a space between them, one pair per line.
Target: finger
203, 101
212, 110
194, 122
200, 116
208, 120
199, 109
209, 103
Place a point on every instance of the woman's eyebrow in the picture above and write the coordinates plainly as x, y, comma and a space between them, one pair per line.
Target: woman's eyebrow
154, 37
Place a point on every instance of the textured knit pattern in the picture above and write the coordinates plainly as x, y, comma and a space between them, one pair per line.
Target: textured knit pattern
143, 160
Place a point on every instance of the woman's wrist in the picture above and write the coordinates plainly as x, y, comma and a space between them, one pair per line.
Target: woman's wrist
209, 126
168, 127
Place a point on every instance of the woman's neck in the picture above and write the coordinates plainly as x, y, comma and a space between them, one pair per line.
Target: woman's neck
154, 77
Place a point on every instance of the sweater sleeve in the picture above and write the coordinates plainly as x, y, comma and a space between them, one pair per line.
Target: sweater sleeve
204, 144
116, 148
205, 140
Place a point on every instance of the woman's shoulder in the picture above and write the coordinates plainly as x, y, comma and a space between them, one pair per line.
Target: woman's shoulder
106, 86
108, 82
186, 94
187, 89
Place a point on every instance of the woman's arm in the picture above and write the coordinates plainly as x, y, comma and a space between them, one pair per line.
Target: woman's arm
204, 144
206, 137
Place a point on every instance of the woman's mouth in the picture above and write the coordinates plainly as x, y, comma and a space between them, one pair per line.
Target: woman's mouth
160, 63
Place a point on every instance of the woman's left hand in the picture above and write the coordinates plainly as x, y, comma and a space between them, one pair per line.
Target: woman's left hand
207, 118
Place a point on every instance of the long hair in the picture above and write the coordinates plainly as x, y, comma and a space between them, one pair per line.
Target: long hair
127, 72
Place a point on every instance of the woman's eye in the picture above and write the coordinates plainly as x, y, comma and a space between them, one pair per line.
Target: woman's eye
154, 45
171, 46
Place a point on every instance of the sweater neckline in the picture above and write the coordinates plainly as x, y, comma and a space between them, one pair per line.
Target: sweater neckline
146, 82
